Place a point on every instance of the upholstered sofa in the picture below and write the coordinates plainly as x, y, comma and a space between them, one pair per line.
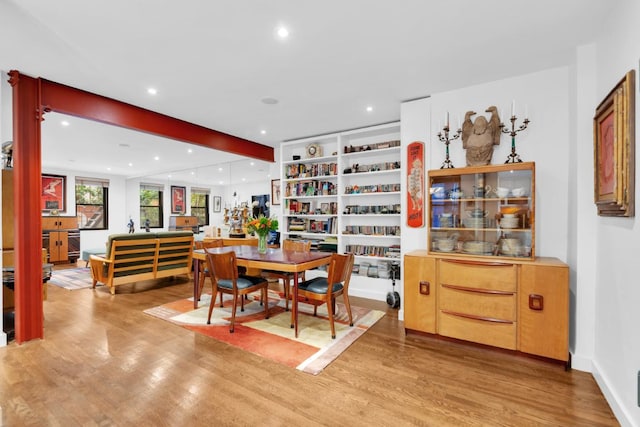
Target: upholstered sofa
142, 256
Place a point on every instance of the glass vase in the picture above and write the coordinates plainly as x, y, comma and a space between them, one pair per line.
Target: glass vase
262, 243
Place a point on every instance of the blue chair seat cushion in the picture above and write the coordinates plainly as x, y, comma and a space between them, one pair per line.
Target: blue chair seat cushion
319, 285
243, 282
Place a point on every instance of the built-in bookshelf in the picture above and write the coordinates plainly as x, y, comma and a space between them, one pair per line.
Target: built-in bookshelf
342, 192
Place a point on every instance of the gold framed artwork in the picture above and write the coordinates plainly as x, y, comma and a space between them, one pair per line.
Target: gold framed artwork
614, 150
275, 191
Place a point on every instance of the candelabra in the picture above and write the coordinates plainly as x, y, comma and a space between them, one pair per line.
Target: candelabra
444, 137
514, 157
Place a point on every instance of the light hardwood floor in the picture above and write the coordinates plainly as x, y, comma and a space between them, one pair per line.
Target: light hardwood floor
105, 363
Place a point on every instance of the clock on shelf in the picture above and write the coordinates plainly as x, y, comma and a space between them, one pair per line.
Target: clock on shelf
314, 150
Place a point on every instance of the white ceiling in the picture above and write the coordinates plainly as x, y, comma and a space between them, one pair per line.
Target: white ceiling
213, 62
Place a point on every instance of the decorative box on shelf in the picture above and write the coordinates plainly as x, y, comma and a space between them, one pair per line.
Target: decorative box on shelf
483, 211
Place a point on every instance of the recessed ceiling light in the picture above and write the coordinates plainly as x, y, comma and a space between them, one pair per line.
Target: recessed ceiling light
243, 179
282, 32
64, 123
252, 163
152, 91
156, 158
108, 168
369, 108
221, 182
192, 173
220, 169
189, 151
130, 164
263, 132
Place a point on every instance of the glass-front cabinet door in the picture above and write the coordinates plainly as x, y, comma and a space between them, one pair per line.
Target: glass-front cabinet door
486, 211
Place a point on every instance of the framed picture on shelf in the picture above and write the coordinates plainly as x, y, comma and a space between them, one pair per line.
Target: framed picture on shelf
614, 154
178, 199
217, 203
275, 191
53, 197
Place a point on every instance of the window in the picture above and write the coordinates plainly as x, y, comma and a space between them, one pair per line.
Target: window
200, 205
92, 197
151, 206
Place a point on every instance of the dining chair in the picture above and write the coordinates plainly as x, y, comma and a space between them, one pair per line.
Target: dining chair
318, 289
286, 277
225, 278
204, 271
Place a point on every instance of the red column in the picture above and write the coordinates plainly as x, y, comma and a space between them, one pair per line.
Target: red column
27, 222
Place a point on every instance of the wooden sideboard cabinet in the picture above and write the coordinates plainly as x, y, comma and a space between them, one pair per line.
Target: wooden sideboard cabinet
518, 305
420, 293
177, 223
61, 238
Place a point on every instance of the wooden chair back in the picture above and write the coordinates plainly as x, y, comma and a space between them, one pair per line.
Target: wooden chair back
209, 243
296, 245
340, 269
223, 265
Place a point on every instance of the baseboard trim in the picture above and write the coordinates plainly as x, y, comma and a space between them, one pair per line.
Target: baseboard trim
620, 412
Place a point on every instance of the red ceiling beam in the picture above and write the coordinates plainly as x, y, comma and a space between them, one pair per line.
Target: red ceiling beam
75, 102
31, 98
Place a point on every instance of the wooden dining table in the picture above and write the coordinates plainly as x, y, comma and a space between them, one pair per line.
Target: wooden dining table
274, 259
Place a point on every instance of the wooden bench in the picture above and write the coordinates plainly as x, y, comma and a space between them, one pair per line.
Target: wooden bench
143, 256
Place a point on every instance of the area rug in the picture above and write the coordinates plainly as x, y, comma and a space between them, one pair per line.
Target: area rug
72, 278
274, 338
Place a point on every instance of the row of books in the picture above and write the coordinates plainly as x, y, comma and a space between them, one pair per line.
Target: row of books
302, 170
392, 251
369, 147
309, 225
379, 188
381, 269
295, 207
374, 167
328, 244
376, 209
310, 188
373, 230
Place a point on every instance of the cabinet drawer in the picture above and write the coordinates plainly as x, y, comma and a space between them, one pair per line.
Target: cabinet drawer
483, 275
59, 222
489, 304
496, 333
68, 222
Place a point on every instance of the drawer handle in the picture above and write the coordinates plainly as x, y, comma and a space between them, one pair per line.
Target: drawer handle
425, 287
477, 290
471, 262
473, 317
536, 302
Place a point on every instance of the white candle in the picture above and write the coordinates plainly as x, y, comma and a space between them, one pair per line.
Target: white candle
513, 108
526, 111
447, 119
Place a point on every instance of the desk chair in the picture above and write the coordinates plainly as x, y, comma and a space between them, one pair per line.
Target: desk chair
287, 278
225, 279
318, 289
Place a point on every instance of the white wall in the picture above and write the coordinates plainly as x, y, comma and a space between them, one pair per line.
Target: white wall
616, 359
415, 125
546, 98
118, 218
